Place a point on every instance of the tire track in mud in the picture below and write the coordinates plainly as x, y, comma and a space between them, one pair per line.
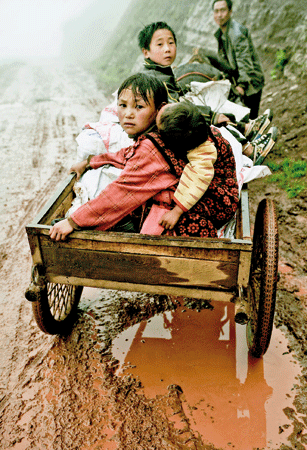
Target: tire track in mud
41, 115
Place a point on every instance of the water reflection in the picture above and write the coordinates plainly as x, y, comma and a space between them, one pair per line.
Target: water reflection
232, 399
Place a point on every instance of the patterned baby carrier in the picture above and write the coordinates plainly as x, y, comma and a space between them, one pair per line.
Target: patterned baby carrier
220, 201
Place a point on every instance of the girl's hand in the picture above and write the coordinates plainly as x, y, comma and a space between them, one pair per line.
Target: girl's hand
79, 168
60, 230
170, 218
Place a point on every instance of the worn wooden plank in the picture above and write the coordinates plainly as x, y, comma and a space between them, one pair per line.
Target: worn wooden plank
136, 238
206, 294
239, 230
55, 207
140, 269
244, 268
35, 248
136, 248
61, 210
246, 230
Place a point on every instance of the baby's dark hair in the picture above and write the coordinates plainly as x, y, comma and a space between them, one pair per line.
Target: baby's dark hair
146, 86
183, 127
146, 34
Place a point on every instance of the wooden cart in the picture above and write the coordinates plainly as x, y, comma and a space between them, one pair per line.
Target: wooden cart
239, 270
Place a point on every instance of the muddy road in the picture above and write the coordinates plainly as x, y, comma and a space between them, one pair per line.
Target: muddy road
138, 372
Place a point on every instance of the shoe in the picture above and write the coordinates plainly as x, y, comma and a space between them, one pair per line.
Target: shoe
263, 145
259, 125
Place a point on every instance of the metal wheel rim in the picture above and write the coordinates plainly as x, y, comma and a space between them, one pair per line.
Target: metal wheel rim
255, 284
263, 279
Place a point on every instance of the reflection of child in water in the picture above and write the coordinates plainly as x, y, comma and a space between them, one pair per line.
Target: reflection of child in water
197, 351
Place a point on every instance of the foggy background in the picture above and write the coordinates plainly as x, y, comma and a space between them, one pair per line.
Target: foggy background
74, 29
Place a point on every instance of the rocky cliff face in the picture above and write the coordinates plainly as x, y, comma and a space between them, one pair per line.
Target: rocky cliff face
275, 25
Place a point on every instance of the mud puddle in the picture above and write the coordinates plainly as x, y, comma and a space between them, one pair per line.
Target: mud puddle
229, 398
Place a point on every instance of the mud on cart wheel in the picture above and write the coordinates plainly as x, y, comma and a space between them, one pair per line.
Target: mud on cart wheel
263, 278
54, 305
55, 311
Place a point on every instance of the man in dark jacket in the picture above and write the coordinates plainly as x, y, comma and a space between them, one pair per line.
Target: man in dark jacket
236, 48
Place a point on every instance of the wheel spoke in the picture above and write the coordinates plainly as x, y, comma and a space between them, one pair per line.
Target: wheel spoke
55, 311
60, 300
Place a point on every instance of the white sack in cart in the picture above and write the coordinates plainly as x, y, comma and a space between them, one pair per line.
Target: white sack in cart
92, 143
100, 137
246, 172
104, 136
215, 94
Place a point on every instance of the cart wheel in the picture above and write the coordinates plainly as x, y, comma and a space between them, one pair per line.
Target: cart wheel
263, 278
55, 309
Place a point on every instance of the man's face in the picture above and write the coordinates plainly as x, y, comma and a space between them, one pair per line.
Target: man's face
135, 115
162, 49
221, 13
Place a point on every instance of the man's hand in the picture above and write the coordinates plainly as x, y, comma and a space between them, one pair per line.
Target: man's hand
221, 118
240, 90
79, 168
170, 218
61, 230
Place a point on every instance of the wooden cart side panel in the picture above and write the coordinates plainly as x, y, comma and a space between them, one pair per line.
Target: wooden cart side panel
244, 269
61, 210
59, 204
243, 222
139, 262
35, 248
89, 239
142, 248
244, 209
140, 268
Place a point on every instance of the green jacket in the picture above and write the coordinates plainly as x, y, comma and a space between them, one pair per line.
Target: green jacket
236, 47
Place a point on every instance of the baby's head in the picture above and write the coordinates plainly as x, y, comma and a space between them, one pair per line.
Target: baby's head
139, 99
182, 127
158, 43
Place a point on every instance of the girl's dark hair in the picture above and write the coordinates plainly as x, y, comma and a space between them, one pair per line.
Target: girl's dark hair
146, 34
146, 86
183, 127
229, 4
